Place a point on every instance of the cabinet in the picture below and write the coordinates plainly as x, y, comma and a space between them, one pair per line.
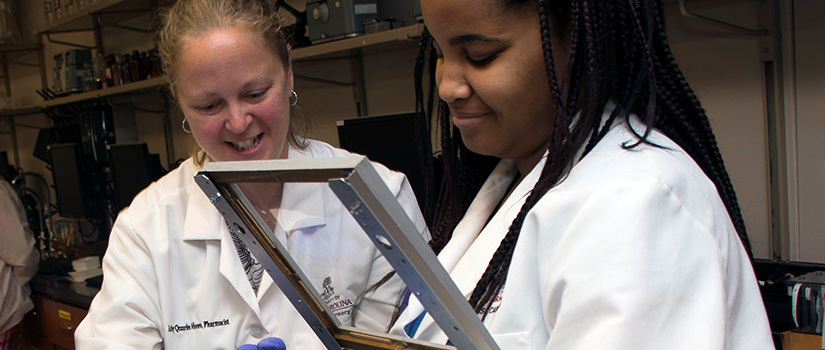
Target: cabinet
50, 325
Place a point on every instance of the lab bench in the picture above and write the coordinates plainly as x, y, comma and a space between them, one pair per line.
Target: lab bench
59, 306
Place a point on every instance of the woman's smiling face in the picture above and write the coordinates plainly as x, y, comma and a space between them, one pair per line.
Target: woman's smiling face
492, 75
235, 94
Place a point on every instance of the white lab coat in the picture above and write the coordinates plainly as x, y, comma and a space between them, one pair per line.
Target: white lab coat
19, 259
633, 250
173, 278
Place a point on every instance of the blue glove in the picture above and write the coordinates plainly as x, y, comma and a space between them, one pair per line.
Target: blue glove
271, 343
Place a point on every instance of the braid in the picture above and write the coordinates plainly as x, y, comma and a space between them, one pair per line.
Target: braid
424, 126
572, 76
484, 293
620, 54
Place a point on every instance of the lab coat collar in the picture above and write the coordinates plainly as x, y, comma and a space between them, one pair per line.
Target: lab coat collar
202, 221
471, 236
480, 209
486, 239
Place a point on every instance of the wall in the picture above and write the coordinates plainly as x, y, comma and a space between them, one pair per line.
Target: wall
723, 68
809, 243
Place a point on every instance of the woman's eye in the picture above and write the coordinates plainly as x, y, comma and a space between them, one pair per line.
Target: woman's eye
208, 108
257, 94
482, 61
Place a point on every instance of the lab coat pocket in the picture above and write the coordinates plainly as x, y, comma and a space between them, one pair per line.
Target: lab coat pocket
519, 340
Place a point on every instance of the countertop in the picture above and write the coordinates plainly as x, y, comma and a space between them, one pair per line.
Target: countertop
61, 288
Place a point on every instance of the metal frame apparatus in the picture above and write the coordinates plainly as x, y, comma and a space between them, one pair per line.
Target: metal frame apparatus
370, 202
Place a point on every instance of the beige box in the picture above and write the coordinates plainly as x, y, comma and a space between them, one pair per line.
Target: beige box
801, 341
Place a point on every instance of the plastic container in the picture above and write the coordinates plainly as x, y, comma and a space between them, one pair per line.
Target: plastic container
87, 263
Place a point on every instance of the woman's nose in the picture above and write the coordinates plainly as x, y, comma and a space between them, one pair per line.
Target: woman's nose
452, 83
238, 120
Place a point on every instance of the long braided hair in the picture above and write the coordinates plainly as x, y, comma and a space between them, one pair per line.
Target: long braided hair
618, 53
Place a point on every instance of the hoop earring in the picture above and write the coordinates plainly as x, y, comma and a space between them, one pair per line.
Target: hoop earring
293, 100
183, 126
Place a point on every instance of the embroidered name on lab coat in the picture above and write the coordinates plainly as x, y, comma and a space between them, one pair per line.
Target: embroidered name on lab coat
177, 328
339, 305
495, 305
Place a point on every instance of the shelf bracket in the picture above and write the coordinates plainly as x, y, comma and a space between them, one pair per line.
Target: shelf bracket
730, 26
325, 81
49, 37
134, 29
101, 23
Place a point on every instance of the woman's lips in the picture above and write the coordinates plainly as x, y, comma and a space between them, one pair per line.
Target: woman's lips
249, 145
464, 119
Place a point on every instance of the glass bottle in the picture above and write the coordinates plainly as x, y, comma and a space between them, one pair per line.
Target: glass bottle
88, 77
117, 70
108, 63
145, 66
154, 61
9, 34
56, 10
47, 10
68, 7
125, 73
5, 33
97, 69
134, 66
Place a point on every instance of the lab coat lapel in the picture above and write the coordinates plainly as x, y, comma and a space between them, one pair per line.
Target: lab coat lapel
466, 236
202, 219
481, 245
231, 269
470, 227
205, 223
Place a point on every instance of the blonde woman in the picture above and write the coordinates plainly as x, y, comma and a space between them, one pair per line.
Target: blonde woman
174, 275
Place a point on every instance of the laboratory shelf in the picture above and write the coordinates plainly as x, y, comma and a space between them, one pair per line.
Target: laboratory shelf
143, 85
116, 11
389, 40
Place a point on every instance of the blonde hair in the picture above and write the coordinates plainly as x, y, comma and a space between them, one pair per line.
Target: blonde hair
188, 19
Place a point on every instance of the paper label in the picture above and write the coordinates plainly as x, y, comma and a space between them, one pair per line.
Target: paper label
366, 9
64, 315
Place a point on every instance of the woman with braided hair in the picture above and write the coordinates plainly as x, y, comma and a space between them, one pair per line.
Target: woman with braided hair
584, 202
